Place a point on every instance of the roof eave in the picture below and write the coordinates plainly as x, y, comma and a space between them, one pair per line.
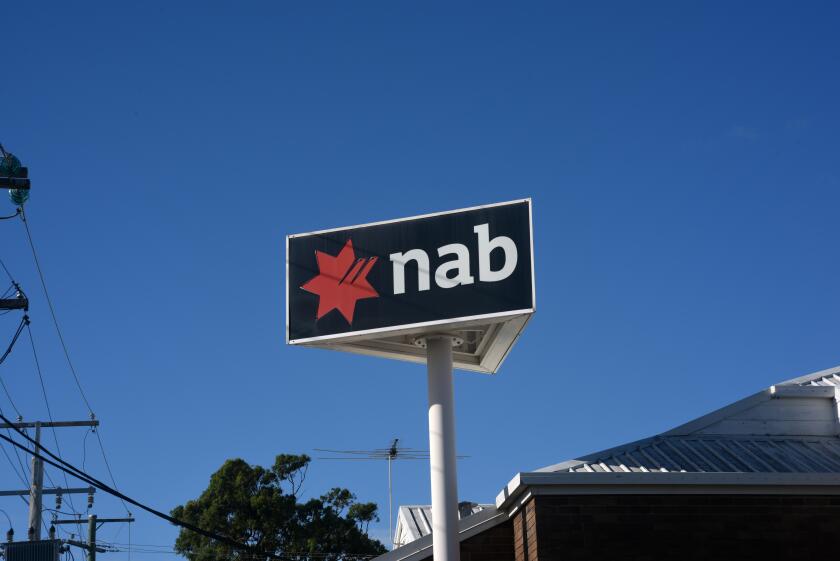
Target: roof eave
467, 528
524, 485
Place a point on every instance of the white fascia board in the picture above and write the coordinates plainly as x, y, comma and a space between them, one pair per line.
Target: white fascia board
824, 392
467, 528
579, 483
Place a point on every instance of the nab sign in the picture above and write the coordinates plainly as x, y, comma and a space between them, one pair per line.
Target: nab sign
377, 288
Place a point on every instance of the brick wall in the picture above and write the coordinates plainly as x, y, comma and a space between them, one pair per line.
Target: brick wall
685, 527
664, 528
495, 544
525, 533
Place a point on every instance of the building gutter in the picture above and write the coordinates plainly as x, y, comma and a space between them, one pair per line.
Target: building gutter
525, 485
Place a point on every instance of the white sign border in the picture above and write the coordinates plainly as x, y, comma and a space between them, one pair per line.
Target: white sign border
337, 337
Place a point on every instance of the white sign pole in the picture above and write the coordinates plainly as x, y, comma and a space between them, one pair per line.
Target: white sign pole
445, 543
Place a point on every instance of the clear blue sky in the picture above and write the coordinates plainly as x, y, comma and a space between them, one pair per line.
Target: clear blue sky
683, 163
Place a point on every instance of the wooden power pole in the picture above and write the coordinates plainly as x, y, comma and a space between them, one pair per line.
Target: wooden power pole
36, 490
93, 524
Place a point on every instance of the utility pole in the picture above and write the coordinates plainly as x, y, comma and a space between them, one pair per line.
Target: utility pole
93, 524
36, 490
37, 485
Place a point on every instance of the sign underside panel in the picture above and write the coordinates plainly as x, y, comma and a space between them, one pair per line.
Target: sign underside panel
373, 289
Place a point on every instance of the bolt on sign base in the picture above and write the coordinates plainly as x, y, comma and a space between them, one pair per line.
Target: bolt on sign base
379, 289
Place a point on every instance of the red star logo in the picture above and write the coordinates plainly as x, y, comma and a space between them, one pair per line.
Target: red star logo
341, 281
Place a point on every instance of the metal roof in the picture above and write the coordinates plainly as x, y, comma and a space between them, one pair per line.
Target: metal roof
415, 521
829, 377
468, 526
716, 453
791, 427
785, 438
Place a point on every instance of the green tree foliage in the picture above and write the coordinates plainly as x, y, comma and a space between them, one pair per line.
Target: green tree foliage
261, 507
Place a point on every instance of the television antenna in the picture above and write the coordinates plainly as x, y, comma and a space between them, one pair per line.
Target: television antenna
391, 454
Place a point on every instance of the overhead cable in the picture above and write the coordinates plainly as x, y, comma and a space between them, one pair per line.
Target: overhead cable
64, 344
68, 468
7, 270
24, 322
49, 413
52, 310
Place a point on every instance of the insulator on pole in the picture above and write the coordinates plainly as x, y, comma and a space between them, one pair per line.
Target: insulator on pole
14, 177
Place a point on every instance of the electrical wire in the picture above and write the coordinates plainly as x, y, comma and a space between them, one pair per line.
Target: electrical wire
9, 396
23, 478
108, 468
14, 467
7, 269
24, 322
52, 309
84, 447
12, 401
49, 414
68, 468
22, 474
64, 344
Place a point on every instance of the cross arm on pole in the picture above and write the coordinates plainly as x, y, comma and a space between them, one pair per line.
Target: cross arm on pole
98, 520
84, 545
18, 303
49, 424
56, 491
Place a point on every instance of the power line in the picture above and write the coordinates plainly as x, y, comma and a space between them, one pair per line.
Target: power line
64, 344
108, 467
90, 480
49, 414
7, 270
52, 309
9, 395
68, 468
24, 322
14, 467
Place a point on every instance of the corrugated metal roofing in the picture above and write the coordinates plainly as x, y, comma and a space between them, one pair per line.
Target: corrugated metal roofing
415, 521
774, 431
792, 430
831, 379
718, 454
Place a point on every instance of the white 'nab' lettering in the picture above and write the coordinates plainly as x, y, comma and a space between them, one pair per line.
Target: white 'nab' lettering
486, 247
460, 265
400, 260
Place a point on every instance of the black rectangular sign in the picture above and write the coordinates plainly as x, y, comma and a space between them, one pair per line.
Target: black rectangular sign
417, 272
